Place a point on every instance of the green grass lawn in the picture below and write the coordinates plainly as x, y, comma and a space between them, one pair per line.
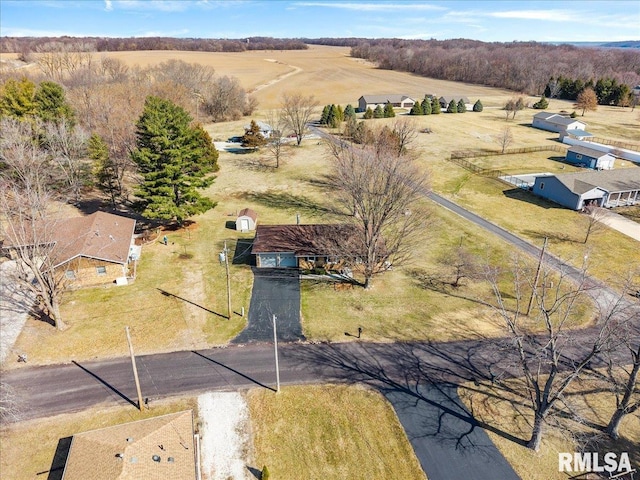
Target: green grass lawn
335, 432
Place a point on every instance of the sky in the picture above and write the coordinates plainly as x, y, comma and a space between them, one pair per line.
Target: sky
500, 21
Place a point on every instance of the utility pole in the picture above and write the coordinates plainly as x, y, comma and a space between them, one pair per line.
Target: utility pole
275, 346
226, 264
135, 369
535, 283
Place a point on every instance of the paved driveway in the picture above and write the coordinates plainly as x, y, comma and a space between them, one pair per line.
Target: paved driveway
275, 292
447, 445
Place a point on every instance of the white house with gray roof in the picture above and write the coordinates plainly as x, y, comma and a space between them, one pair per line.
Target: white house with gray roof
554, 122
608, 188
396, 100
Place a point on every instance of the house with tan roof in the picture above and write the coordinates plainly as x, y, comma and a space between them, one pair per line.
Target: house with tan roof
92, 250
155, 448
607, 188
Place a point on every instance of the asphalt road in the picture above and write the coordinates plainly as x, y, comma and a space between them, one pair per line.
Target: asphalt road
49, 390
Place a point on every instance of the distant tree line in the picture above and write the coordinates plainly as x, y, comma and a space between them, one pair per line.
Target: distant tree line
25, 45
609, 91
520, 66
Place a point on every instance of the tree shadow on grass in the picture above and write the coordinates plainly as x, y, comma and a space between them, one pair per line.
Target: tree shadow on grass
424, 373
553, 236
288, 201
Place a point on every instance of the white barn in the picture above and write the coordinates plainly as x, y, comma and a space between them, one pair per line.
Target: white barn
554, 122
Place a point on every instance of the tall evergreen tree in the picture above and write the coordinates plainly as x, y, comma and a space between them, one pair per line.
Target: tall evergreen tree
349, 112
462, 107
477, 107
426, 106
388, 111
16, 98
416, 109
253, 137
324, 118
169, 157
368, 113
51, 104
103, 167
453, 107
378, 112
435, 106
541, 104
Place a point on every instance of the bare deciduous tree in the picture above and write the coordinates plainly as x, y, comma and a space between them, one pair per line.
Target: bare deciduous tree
624, 386
377, 191
67, 146
25, 220
504, 138
297, 110
276, 146
463, 263
595, 215
225, 99
29, 231
547, 356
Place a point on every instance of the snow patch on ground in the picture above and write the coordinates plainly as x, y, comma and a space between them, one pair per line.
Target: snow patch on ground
225, 446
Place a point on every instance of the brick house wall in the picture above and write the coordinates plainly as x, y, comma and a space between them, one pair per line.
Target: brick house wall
84, 272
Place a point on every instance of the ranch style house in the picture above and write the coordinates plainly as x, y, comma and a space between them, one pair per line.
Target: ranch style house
301, 246
609, 188
396, 101
93, 250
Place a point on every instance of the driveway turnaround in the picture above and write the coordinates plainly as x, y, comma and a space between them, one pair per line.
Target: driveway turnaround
275, 292
447, 444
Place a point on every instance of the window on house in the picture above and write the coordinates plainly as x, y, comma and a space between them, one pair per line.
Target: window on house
311, 258
70, 274
541, 185
101, 270
578, 156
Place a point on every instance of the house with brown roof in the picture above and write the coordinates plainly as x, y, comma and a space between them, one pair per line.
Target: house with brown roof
92, 250
607, 188
303, 246
155, 448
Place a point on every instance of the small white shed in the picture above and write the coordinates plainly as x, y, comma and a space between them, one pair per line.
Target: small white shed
246, 220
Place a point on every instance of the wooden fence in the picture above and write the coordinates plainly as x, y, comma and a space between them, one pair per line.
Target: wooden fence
459, 158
